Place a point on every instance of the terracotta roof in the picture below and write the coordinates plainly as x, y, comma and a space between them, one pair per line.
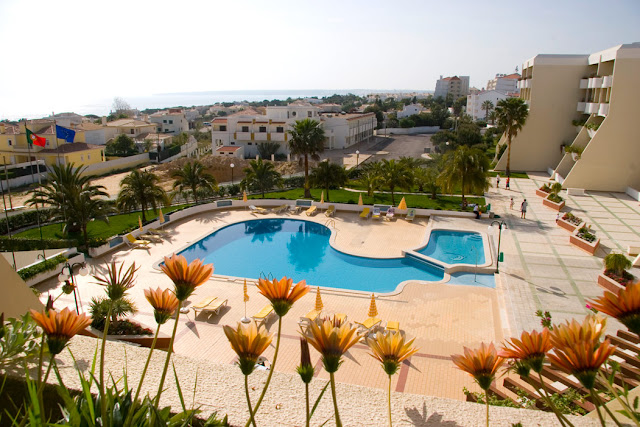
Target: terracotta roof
511, 76
228, 148
151, 136
71, 148
219, 120
129, 122
89, 126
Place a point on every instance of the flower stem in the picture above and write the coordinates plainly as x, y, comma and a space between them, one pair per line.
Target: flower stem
486, 401
306, 390
596, 402
42, 385
273, 366
335, 401
41, 360
601, 403
103, 400
166, 362
624, 404
246, 391
545, 395
389, 401
144, 372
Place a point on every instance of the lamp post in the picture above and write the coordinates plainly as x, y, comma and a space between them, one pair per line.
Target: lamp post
63, 277
491, 229
232, 166
357, 158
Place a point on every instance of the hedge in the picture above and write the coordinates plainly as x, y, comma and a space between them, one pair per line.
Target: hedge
46, 265
26, 244
25, 219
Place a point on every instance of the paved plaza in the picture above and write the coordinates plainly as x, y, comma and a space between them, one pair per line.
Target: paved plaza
541, 270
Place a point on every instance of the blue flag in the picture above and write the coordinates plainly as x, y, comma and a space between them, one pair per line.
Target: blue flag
64, 133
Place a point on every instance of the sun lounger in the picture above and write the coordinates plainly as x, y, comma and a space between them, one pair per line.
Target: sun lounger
158, 232
135, 243
340, 317
365, 213
331, 210
202, 304
390, 214
310, 316
369, 324
376, 213
636, 262
393, 326
151, 237
263, 315
633, 249
312, 211
281, 209
255, 209
411, 215
296, 210
215, 306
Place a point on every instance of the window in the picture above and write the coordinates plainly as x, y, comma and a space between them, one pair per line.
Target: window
166, 130
88, 156
245, 128
293, 113
170, 122
279, 129
132, 132
249, 143
159, 129
262, 129
10, 142
164, 121
309, 113
47, 143
233, 143
82, 158
223, 128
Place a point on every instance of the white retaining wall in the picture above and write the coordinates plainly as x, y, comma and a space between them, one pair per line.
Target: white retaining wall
633, 193
21, 180
121, 163
408, 131
52, 273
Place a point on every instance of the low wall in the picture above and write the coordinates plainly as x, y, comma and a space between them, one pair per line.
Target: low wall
45, 275
633, 193
121, 163
407, 131
21, 180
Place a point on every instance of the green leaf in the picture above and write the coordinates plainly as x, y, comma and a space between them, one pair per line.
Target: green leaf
315, 405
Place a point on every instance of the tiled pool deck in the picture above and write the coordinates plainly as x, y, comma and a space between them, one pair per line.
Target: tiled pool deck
541, 271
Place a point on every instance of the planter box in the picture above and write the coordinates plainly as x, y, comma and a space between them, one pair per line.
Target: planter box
541, 193
569, 226
52, 273
584, 245
609, 284
553, 205
141, 340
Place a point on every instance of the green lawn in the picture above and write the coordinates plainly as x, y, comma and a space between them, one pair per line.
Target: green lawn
97, 229
513, 174
356, 185
344, 196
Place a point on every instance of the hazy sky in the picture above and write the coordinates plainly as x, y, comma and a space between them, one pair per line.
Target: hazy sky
66, 55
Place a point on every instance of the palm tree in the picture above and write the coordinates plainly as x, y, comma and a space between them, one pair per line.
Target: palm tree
465, 168
307, 139
487, 106
427, 180
370, 177
511, 114
261, 175
73, 199
395, 174
140, 188
328, 175
193, 179
492, 117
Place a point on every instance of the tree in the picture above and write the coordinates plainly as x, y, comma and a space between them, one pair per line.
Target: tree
487, 106
140, 188
329, 175
492, 117
375, 108
261, 175
465, 168
427, 180
73, 199
120, 106
180, 139
193, 179
307, 140
121, 146
395, 174
266, 149
511, 114
370, 177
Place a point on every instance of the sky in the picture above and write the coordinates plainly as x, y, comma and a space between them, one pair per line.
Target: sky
78, 55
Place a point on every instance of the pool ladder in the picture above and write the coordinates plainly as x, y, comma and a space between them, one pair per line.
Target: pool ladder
266, 277
330, 222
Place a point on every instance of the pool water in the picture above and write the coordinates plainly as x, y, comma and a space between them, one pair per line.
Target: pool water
455, 247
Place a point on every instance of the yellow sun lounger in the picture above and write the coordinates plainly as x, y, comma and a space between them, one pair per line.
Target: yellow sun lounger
135, 243
152, 238
158, 232
263, 315
199, 306
365, 213
368, 325
411, 215
255, 209
312, 211
310, 316
280, 209
331, 210
393, 326
215, 306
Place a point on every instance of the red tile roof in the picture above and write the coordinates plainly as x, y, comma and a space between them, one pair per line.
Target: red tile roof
228, 148
71, 148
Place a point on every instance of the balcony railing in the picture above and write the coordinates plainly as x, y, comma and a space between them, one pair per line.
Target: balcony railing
260, 136
595, 82
243, 136
278, 137
584, 83
582, 106
603, 110
607, 81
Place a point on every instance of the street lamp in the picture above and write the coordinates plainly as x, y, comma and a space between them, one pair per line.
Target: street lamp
232, 166
64, 276
500, 225
357, 158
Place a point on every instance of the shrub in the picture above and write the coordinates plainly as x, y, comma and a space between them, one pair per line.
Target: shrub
617, 263
28, 244
546, 188
587, 234
571, 218
26, 219
41, 267
294, 182
554, 198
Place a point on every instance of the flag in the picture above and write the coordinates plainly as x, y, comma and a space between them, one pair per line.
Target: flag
64, 133
32, 138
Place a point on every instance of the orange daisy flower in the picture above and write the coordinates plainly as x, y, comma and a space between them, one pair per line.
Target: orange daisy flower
583, 359
569, 333
281, 293
249, 342
164, 303
390, 349
186, 277
625, 306
531, 349
482, 364
60, 327
331, 341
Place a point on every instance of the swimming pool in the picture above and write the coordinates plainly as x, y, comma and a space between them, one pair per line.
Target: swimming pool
455, 247
301, 250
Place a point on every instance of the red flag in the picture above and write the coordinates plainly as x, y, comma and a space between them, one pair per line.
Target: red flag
32, 138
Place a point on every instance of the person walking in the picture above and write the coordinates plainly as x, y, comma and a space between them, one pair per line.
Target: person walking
498, 181
523, 209
507, 183
511, 203
476, 210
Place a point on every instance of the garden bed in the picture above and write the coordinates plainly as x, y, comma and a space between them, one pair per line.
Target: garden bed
585, 240
142, 340
553, 205
542, 191
570, 222
609, 284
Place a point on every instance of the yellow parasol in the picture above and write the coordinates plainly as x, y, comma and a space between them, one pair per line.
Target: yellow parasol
244, 196
245, 297
403, 204
322, 197
319, 305
373, 310
360, 200
140, 222
245, 290
161, 217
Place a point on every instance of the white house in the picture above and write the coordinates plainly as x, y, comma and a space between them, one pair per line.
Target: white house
230, 151
457, 86
474, 102
507, 83
410, 110
172, 121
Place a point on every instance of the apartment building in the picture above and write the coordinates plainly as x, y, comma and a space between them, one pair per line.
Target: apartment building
507, 83
410, 110
131, 127
475, 102
456, 86
250, 128
599, 92
171, 121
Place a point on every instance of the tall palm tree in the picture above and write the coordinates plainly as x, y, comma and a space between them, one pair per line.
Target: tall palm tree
73, 199
427, 180
328, 175
512, 114
261, 176
492, 117
466, 168
307, 139
395, 174
487, 106
193, 179
370, 177
140, 188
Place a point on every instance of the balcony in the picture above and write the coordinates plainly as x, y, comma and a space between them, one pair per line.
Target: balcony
243, 136
591, 108
595, 82
584, 83
603, 110
607, 81
277, 137
581, 106
260, 136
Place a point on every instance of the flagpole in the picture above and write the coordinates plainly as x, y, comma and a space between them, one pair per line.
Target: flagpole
44, 255
6, 216
6, 176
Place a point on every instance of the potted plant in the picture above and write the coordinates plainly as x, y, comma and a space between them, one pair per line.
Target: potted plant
578, 124
615, 276
592, 128
575, 152
543, 191
570, 222
553, 200
585, 238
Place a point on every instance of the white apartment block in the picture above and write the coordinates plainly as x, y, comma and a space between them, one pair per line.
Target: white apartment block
130, 127
457, 86
171, 121
507, 83
474, 103
249, 129
410, 110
